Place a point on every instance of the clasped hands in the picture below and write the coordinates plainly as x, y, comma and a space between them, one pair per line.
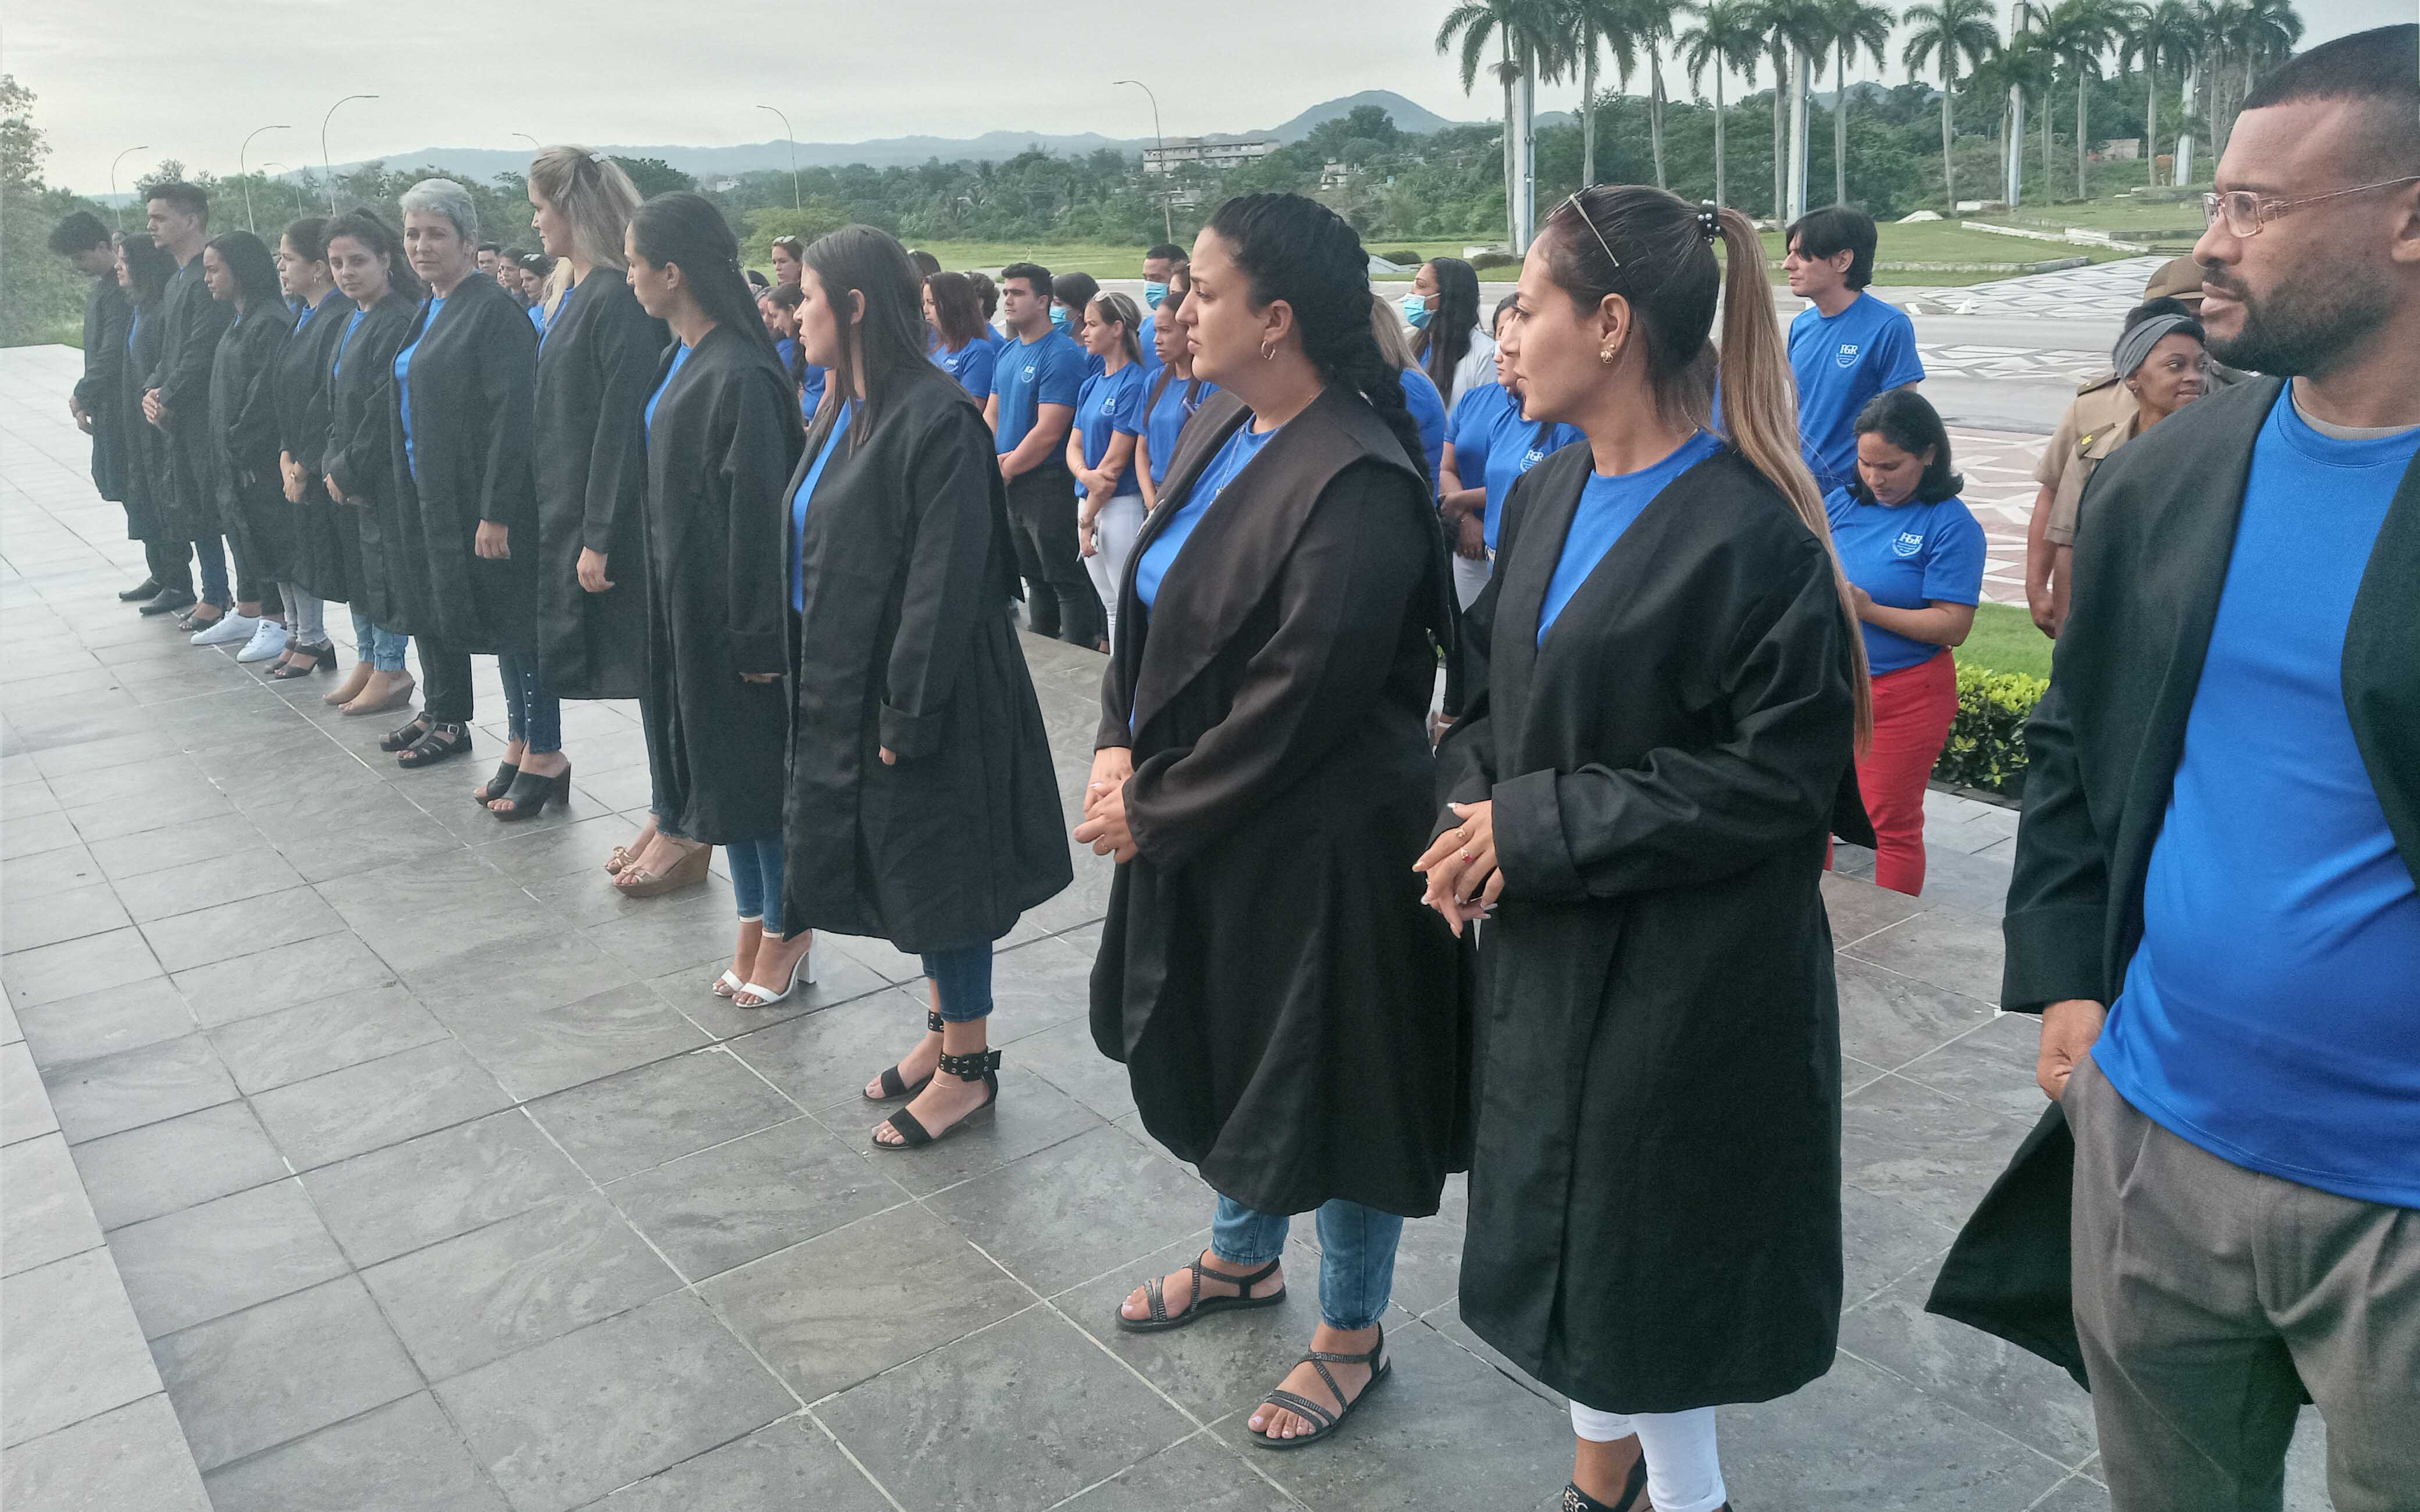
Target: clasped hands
1460, 864
1105, 829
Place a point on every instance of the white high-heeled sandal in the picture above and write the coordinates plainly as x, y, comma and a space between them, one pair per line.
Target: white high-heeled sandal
802, 973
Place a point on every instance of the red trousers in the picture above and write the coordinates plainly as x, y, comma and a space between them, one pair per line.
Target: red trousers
1913, 708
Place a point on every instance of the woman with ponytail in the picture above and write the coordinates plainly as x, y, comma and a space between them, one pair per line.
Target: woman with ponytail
1288, 1015
1639, 801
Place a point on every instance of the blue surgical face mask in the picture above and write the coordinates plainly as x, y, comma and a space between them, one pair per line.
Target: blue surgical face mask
1059, 317
1416, 310
1154, 293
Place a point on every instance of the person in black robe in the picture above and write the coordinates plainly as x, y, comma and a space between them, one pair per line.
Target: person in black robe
177, 405
245, 473
357, 464
143, 272
1289, 1017
1641, 793
460, 462
722, 435
92, 404
595, 367
314, 563
923, 806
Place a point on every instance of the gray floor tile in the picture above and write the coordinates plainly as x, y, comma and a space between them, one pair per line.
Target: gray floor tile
1215, 1368
177, 1162
642, 1118
826, 1059
561, 1424
521, 1281
1092, 1204
789, 1464
255, 1379
1066, 1058
377, 1103
134, 1087
1031, 1114
143, 812
295, 1044
285, 977
1889, 1020
535, 1051
74, 967
1992, 1067
195, 844
61, 868
1930, 1153
234, 1251
44, 1215
251, 873
1037, 987
425, 1190
738, 1201
2075, 1494
841, 1308
1447, 1320
839, 980
103, 1022
1882, 1238
1959, 952
404, 1456
34, 834
73, 1350
2014, 1390
229, 931
971, 1426
538, 856
132, 1458
25, 1109
48, 918
1200, 1474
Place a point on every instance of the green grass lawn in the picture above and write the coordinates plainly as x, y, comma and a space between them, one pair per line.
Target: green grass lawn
2006, 640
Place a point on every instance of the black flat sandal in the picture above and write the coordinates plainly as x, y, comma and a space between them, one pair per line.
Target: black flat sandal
1161, 1321
442, 742
322, 656
1327, 1421
406, 735
494, 787
529, 793
895, 1087
1633, 1487
983, 1066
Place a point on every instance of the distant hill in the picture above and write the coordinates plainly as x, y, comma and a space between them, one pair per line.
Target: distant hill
1408, 117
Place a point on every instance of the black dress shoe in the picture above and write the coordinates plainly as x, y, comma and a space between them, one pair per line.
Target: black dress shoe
147, 587
171, 600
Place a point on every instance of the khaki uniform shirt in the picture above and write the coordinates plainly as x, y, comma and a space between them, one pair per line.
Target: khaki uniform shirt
2099, 420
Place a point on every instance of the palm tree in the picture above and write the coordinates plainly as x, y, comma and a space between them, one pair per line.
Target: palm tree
2261, 34
1852, 24
2030, 71
1651, 23
1943, 32
1528, 38
2167, 32
1727, 36
1592, 25
1793, 29
2079, 31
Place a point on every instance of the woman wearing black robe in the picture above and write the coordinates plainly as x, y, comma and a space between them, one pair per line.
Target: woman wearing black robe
80, 238
1288, 1013
1642, 792
366, 258
923, 804
722, 435
244, 475
463, 486
300, 384
144, 270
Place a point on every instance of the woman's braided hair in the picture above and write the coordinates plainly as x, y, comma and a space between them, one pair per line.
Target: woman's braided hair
1297, 250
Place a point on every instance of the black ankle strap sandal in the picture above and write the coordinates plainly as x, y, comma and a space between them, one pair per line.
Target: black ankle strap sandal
983, 1066
1326, 1420
445, 738
894, 1086
407, 734
1633, 1487
1162, 1319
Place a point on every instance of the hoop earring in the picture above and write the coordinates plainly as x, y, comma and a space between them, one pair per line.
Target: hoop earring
1268, 351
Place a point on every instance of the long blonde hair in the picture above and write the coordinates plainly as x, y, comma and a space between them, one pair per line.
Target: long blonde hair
1394, 342
595, 196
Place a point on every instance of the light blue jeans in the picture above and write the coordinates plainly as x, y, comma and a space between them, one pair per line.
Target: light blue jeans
1357, 1254
756, 878
385, 648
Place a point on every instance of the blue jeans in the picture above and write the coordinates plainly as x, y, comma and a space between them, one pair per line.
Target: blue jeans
756, 878
212, 549
531, 713
385, 648
1357, 1254
962, 981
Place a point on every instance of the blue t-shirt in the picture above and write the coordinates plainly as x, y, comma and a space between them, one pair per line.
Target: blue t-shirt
537, 322
562, 308
971, 364
1028, 375
1107, 406
1842, 360
2272, 1013
1231, 459
435, 306
1165, 421
1906, 556
1488, 430
648, 420
811, 389
335, 365
1427, 406
1608, 507
801, 497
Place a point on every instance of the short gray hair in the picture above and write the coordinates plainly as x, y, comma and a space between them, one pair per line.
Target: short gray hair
447, 198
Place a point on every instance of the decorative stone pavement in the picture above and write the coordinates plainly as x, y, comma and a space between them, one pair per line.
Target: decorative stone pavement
363, 1155
2104, 290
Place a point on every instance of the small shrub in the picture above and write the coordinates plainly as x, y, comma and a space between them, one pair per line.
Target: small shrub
1486, 260
1987, 740
1405, 258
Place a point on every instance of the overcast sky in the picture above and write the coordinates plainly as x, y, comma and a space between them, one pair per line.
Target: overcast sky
187, 80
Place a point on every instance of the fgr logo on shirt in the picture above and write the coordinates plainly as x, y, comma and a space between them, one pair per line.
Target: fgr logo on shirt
1908, 544
1848, 357
1031, 366
1533, 458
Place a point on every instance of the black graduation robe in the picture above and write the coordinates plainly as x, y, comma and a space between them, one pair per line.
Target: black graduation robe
243, 441
595, 367
318, 531
1655, 1196
146, 449
190, 325
724, 440
359, 460
106, 316
1291, 1018
468, 460
906, 560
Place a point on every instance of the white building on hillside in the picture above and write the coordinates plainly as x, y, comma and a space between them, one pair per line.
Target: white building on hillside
1216, 156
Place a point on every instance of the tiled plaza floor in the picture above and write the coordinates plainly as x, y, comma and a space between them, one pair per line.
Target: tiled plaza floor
402, 1165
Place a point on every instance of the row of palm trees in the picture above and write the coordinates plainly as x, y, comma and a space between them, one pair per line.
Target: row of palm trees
2220, 46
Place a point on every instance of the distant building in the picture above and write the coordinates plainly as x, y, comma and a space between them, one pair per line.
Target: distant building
1216, 156
1335, 174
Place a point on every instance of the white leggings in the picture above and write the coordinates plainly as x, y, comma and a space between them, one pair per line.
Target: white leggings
1685, 1473
1114, 529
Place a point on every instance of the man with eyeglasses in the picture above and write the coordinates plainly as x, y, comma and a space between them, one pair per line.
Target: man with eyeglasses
2222, 833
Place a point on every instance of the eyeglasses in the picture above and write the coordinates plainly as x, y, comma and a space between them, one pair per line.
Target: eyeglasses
2246, 211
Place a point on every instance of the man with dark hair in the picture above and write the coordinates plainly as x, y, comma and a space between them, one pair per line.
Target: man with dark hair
1160, 265
2214, 907
1034, 386
84, 242
1849, 347
491, 260
926, 264
177, 401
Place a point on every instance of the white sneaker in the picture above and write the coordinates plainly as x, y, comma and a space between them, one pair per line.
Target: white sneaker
267, 641
230, 628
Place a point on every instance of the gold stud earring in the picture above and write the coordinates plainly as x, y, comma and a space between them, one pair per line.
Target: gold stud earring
1606, 356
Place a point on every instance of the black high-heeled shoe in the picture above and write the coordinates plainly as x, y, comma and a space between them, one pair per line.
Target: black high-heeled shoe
322, 655
894, 1086
982, 1066
529, 793
496, 786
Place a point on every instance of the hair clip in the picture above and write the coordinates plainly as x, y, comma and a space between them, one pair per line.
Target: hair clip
1710, 220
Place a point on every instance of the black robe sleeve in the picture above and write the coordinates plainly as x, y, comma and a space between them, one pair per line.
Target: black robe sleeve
2058, 893
105, 319
184, 380
507, 397
357, 459
756, 468
627, 345
252, 434
1467, 754
1313, 684
951, 484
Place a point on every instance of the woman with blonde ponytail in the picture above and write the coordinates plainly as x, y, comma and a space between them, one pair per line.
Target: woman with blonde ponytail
1639, 801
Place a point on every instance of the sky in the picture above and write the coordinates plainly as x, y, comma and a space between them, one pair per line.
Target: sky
190, 81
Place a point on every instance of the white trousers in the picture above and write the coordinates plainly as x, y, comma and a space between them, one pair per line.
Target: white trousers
1113, 538
1470, 576
1685, 1472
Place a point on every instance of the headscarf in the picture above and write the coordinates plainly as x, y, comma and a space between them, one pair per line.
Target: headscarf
2134, 348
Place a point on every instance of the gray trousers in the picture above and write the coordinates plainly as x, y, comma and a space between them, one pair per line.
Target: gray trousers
2209, 1296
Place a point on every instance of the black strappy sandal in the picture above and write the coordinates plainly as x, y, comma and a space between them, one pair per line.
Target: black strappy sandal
444, 740
1161, 1321
529, 793
1327, 1421
322, 655
983, 1066
1635, 1487
494, 787
407, 734
895, 1087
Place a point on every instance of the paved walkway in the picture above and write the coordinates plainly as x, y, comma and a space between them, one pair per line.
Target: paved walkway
437, 1180
2105, 290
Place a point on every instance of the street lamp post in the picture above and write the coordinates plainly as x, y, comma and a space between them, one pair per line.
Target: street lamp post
113, 182
1167, 216
535, 146
245, 174
325, 162
796, 203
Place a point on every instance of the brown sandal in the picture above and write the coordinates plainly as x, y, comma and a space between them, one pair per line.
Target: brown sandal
686, 871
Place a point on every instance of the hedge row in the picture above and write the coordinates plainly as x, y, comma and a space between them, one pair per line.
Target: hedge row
1987, 740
